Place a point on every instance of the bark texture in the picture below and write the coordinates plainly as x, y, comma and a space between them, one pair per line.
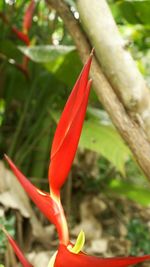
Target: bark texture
115, 60
131, 132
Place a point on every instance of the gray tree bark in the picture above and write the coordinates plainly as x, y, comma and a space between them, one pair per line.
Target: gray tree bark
115, 60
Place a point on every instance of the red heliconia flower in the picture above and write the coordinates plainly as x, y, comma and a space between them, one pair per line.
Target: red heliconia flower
62, 154
65, 258
17, 250
27, 20
68, 131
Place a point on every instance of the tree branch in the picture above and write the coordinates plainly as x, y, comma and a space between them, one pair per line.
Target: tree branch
115, 60
128, 129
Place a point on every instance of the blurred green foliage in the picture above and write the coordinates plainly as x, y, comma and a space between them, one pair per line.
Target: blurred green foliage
132, 17
8, 223
139, 235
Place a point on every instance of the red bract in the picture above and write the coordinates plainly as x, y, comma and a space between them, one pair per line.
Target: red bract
22, 36
17, 250
27, 20
68, 131
46, 204
65, 258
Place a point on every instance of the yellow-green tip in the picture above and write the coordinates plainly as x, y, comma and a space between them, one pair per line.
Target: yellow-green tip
79, 243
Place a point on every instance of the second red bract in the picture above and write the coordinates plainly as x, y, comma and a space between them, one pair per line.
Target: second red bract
63, 151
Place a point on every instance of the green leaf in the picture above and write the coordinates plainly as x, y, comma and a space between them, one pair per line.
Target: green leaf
132, 191
79, 243
9, 49
46, 53
104, 139
135, 11
69, 69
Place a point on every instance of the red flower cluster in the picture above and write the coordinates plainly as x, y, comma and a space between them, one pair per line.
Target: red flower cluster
26, 25
62, 154
23, 34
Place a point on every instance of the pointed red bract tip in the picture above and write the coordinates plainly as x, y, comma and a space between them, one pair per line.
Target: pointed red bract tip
27, 20
73, 103
65, 258
42, 199
22, 36
46, 204
68, 131
17, 250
